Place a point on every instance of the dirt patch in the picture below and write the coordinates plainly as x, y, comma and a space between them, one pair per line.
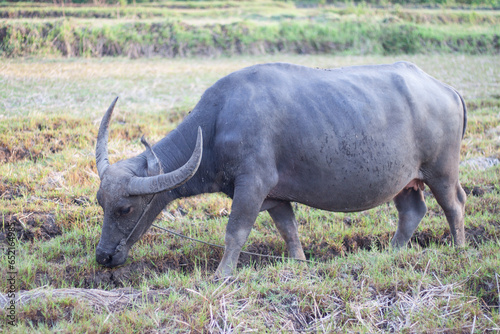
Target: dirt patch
427, 237
134, 273
358, 242
273, 250
475, 191
16, 154
59, 304
11, 192
479, 191
127, 131
46, 144
485, 287
349, 221
477, 235
322, 251
50, 316
30, 226
83, 201
32, 139
474, 236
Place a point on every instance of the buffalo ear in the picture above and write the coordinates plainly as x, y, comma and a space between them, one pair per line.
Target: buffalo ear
154, 164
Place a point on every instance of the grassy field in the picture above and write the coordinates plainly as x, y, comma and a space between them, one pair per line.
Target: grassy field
50, 111
57, 81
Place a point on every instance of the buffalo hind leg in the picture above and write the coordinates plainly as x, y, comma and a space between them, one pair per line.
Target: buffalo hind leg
411, 209
451, 197
284, 219
249, 195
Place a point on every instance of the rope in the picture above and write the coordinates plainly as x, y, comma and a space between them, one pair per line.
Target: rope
219, 246
124, 241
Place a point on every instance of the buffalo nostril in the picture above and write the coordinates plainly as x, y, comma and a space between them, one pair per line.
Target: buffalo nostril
103, 258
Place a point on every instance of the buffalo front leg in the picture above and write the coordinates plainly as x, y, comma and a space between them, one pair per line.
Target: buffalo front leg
284, 219
247, 200
411, 209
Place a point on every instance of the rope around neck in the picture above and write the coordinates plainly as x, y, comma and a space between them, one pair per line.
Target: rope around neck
223, 247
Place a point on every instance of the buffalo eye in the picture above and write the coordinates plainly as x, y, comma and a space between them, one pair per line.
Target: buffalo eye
124, 211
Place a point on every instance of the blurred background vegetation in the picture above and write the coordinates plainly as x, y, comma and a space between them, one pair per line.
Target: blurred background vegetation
214, 28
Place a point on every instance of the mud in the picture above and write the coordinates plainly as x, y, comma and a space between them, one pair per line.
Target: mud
479, 191
485, 287
477, 235
30, 226
427, 237
359, 242
133, 273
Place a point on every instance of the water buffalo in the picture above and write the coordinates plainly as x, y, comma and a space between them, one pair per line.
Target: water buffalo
345, 140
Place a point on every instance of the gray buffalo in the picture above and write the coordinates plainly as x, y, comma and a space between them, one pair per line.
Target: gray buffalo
344, 140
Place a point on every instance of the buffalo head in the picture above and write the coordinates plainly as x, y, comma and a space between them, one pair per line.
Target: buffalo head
132, 193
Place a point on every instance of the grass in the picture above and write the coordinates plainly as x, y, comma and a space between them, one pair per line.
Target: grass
50, 110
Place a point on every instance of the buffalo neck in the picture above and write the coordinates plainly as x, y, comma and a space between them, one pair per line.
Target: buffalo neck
176, 148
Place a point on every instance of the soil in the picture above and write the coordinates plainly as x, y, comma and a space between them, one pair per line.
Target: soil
130, 274
30, 226
485, 286
479, 191
10, 192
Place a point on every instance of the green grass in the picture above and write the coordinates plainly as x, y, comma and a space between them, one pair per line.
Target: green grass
50, 113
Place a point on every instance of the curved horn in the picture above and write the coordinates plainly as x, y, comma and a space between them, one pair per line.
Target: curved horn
168, 181
101, 148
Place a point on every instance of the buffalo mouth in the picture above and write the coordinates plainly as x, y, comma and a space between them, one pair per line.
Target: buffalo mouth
111, 259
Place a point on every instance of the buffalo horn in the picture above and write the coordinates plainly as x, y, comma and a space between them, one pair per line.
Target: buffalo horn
101, 149
154, 165
168, 181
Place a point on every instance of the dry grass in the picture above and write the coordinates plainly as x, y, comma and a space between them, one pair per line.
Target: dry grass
230, 306
86, 87
101, 300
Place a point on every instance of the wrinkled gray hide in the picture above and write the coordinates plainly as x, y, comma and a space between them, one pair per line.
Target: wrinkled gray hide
345, 140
